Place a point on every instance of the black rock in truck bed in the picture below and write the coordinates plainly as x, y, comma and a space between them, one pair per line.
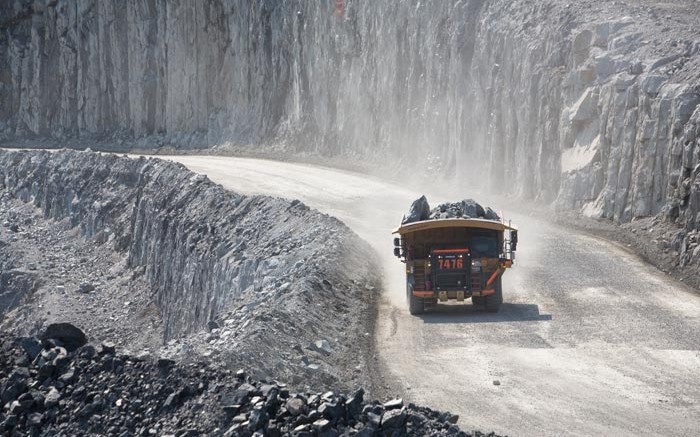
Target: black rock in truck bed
468, 208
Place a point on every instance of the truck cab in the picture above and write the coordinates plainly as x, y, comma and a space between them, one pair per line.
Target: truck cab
455, 259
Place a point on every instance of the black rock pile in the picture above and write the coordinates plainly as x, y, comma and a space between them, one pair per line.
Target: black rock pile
468, 208
61, 386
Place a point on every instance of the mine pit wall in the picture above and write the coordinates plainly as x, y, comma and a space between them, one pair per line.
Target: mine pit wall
199, 245
588, 105
592, 110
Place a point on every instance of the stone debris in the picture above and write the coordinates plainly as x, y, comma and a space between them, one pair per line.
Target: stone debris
102, 391
419, 211
393, 404
69, 335
468, 208
85, 287
146, 252
323, 346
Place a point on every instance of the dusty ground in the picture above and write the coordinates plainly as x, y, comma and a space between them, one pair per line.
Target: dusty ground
652, 239
60, 260
590, 340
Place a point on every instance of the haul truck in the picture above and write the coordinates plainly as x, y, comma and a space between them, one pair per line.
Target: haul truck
455, 259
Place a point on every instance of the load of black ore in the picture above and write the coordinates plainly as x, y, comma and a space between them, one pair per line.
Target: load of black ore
468, 208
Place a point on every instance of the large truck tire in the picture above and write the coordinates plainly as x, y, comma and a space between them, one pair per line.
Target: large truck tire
494, 301
416, 305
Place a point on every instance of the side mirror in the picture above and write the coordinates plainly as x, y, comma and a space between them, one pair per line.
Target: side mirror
397, 242
513, 240
397, 252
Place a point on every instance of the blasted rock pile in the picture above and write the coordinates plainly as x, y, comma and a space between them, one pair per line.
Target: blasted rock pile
468, 208
66, 387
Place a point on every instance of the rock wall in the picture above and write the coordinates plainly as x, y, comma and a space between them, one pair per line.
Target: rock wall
593, 106
684, 206
585, 104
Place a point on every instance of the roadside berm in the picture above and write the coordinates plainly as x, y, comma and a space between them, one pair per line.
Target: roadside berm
166, 263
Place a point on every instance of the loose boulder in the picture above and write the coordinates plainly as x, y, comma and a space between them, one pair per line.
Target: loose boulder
420, 210
70, 335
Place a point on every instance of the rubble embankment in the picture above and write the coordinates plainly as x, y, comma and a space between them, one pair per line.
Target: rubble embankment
133, 249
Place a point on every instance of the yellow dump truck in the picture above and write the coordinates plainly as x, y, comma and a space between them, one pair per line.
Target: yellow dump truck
455, 259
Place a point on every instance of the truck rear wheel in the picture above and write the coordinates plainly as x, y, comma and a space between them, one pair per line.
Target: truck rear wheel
416, 305
494, 301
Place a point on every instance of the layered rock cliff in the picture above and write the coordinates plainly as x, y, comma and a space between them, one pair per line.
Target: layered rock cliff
586, 104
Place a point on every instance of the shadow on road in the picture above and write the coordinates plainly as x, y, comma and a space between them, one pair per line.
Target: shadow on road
510, 312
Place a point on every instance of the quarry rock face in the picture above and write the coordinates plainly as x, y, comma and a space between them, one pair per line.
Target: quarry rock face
589, 105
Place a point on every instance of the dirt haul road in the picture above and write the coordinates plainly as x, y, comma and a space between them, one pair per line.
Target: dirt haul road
589, 341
